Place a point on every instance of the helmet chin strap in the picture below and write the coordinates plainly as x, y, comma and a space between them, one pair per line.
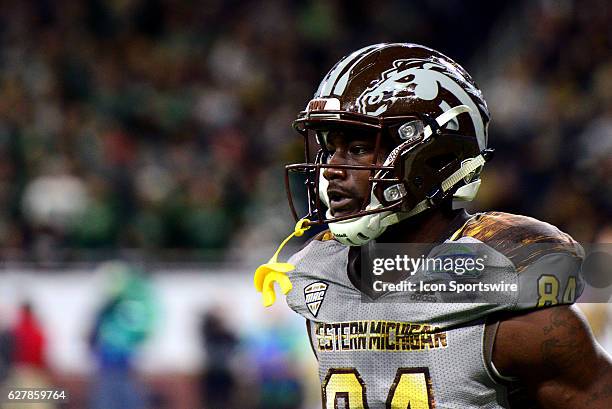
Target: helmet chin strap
465, 193
360, 230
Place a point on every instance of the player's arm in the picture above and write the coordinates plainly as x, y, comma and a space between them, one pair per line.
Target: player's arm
553, 352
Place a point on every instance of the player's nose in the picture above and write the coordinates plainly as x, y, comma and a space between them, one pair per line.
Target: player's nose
333, 172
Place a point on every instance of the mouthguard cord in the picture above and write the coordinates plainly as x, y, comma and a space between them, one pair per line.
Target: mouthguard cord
273, 271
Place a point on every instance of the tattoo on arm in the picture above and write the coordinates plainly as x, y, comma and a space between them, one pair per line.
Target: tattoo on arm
565, 339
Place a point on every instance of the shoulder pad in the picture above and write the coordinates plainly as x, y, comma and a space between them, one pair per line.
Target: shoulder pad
520, 238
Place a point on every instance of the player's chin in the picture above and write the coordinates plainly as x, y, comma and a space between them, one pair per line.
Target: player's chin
346, 209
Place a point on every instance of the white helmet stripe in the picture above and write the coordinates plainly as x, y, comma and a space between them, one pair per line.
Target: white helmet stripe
329, 84
342, 81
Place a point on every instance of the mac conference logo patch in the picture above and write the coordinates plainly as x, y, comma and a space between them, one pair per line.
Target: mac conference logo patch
314, 294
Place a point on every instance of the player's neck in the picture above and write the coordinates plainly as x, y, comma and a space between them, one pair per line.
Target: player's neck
432, 226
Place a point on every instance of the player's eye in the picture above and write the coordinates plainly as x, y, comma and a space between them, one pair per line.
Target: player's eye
360, 149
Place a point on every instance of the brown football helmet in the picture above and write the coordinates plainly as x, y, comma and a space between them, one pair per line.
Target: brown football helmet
414, 99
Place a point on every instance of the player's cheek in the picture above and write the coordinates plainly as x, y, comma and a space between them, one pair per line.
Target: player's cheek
362, 185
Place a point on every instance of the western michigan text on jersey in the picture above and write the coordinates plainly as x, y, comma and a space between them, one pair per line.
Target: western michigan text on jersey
378, 336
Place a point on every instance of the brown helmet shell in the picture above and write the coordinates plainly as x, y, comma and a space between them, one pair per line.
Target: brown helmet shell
389, 80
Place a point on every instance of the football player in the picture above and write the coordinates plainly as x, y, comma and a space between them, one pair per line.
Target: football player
400, 135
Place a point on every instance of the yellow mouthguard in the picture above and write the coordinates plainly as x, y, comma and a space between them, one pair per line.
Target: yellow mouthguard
273, 271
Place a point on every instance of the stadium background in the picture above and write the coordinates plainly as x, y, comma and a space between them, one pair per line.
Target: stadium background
154, 132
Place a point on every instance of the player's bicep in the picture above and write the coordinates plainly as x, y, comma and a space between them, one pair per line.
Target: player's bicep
554, 354
579, 371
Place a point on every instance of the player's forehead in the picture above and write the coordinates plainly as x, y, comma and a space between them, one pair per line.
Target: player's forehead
346, 135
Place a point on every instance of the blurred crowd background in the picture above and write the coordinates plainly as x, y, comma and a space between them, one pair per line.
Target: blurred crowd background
158, 130
159, 125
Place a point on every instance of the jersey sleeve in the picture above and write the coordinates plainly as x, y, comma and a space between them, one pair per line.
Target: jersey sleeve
546, 260
554, 278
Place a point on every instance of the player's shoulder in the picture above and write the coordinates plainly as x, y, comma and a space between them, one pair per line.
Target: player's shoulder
522, 239
500, 226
